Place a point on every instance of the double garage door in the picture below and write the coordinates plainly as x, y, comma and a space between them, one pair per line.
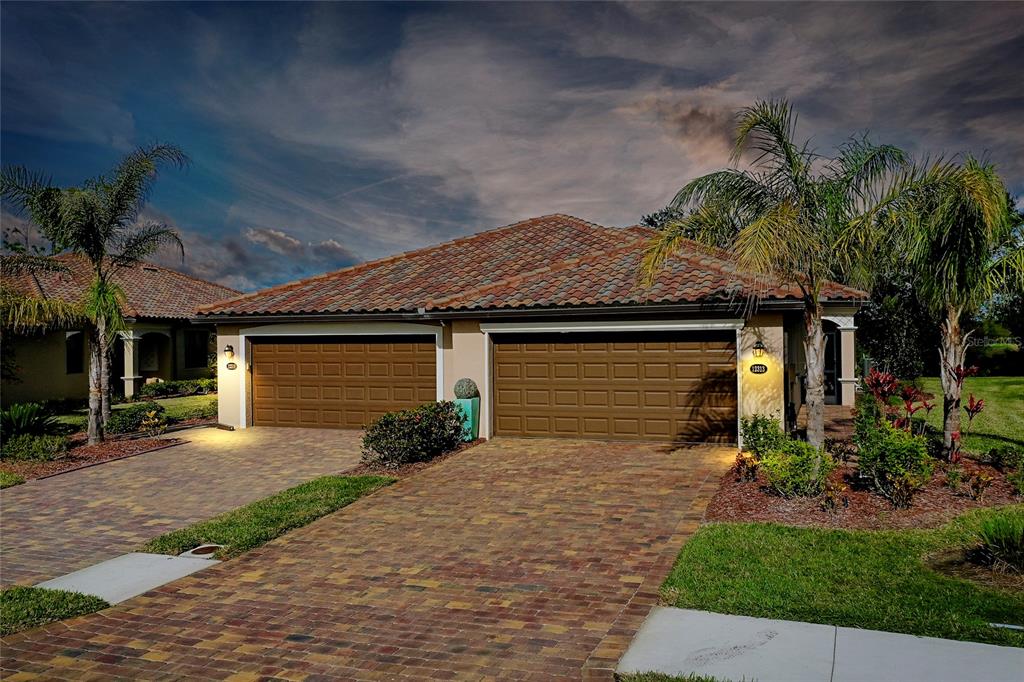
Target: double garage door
678, 386
339, 382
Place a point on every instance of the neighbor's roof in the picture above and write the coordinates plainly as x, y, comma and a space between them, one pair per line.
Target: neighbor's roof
150, 291
548, 262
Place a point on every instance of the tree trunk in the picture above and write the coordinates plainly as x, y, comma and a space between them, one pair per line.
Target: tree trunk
952, 354
105, 389
95, 386
814, 353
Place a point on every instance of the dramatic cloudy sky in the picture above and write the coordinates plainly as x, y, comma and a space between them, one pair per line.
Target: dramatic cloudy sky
326, 134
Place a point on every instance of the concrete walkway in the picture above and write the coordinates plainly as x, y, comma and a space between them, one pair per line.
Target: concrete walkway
58, 525
684, 642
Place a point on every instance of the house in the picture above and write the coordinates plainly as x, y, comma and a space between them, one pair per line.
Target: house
160, 340
548, 318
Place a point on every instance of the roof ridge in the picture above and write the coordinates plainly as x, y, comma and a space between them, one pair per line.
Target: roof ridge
288, 286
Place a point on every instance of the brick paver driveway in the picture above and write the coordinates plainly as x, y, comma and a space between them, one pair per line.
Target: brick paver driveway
57, 525
512, 560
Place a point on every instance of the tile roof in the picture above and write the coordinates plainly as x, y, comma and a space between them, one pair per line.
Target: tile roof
150, 291
551, 261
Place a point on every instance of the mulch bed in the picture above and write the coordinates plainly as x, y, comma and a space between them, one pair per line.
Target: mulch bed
83, 456
932, 506
407, 470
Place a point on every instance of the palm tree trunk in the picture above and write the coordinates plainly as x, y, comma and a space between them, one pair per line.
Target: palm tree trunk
952, 354
95, 385
814, 353
105, 378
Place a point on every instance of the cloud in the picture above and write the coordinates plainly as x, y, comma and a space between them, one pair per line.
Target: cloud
275, 240
331, 132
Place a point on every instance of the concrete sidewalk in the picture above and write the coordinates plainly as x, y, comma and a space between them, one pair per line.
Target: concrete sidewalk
683, 642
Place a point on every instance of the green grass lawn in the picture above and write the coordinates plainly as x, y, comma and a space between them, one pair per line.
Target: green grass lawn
1002, 420
866, 579
22, 608
176, 408
260, 522
7, 479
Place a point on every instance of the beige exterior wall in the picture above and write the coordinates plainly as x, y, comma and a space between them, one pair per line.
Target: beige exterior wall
41, 371
465, 353
762, 393
231, 383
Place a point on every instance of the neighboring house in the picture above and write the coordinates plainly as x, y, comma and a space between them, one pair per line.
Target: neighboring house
548, 317
160, 341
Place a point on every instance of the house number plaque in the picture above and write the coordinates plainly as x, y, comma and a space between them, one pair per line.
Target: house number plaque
759, 368
232, 365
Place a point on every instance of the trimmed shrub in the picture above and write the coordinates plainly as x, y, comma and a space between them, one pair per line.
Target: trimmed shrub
26, 418
1006, 458
761, 434
200, 412
29, 446
867, 415
895, 463
790, 469
1002, 540
416, 435
130, 419
162, 389
465, 389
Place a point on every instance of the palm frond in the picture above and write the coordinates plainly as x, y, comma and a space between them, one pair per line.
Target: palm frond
22, 314
18, 263
769, 127
132, 181
144, 242
105, 300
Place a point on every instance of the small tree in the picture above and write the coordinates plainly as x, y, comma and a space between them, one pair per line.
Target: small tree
959, 237
99, 221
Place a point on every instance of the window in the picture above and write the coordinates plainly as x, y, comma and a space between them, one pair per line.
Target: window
197, 348
74, 352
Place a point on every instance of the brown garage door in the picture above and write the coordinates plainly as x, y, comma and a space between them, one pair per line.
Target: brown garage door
656, 386
339, 382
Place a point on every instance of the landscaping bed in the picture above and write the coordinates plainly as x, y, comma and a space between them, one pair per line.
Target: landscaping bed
933, 505
87, 455
409, 468
881, 580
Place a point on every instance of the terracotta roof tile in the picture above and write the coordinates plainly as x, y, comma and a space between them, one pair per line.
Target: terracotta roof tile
551, 261
150, 291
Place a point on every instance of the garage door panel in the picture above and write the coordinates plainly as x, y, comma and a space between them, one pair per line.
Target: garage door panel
674, 386
339, 382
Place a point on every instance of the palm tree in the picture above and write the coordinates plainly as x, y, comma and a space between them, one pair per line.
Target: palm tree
100, 222
792, 216
962, 241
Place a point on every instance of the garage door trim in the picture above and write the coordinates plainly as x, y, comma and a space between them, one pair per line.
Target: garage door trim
608, 326
315, 329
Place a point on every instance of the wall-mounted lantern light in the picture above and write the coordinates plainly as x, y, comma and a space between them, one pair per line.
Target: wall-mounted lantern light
229, 351
759, 349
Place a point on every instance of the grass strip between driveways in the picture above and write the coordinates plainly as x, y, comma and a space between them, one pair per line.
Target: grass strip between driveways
865, 579
242, 529
28, 607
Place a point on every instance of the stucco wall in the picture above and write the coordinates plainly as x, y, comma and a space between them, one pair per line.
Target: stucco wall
230, 382
762, 393
41, 371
